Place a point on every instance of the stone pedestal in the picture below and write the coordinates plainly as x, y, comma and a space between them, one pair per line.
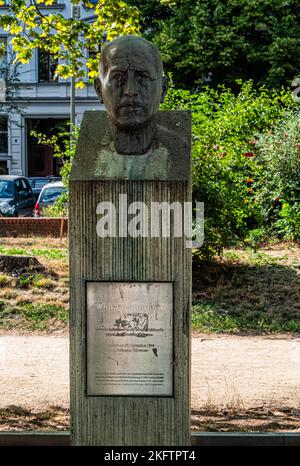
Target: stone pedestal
130, 296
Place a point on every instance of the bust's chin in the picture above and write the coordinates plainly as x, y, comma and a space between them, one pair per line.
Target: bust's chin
129, 123
133, 136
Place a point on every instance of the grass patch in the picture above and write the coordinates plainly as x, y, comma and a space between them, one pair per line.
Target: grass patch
23, 299
41, 281
35, 280
31, 316
42, 312
35, 298
46, 253
8, 293
231, 257
37, 291
261, 258
4, 280
24, 281
247, 291
207, 319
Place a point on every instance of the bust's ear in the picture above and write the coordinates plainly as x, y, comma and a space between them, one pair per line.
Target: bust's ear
165, 85
98, 88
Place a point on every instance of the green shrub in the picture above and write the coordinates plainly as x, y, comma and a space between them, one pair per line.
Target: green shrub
256, 237
288, 225
279, 187
279, 152
24, 281
226, 167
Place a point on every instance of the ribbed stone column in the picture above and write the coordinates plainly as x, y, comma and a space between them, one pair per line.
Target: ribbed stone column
153, 272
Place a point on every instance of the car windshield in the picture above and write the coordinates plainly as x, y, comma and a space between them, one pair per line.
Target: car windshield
50, 195
40, 183
6, 189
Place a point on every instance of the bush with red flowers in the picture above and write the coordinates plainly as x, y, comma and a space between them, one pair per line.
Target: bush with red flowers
226, 156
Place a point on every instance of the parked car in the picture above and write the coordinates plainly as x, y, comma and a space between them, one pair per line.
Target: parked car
16, 196
38, 182
50, 193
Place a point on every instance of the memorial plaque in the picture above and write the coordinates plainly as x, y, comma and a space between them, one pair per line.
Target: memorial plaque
130, 338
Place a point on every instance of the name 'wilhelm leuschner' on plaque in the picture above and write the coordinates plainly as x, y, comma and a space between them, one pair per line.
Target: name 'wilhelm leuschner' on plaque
130, 338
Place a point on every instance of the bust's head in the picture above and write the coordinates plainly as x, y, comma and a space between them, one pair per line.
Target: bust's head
131, 82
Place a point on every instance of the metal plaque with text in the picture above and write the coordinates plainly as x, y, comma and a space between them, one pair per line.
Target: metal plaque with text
130, 338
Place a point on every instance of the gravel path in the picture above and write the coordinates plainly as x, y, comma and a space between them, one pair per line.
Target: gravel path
34, 371
232, 371
242, 371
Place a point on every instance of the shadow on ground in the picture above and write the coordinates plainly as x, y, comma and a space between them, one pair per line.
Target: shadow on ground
258, 419
17, 418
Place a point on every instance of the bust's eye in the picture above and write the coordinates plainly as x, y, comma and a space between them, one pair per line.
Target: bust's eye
119, 77
142, 78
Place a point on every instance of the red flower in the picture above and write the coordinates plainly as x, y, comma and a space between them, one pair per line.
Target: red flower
248, 154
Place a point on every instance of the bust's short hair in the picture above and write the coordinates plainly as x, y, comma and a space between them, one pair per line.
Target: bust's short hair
137, 41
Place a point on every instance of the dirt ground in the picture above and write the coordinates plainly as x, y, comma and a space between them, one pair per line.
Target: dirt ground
245, 383
238, 382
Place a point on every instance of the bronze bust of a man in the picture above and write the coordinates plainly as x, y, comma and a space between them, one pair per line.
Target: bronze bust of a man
131, 85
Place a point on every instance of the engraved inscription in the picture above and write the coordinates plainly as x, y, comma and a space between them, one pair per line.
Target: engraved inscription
129, 338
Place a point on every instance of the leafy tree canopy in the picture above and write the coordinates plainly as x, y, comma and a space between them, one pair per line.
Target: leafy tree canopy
219, 41
153, 14
66, 38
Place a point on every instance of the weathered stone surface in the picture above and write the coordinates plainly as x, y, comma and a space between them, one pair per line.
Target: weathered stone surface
96, 157
99, 175
129, 420
131, 85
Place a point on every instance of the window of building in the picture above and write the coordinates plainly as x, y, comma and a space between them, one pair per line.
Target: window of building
3, 167
3, 135
47, 67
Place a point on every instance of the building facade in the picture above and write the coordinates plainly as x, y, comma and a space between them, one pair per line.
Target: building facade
42, 103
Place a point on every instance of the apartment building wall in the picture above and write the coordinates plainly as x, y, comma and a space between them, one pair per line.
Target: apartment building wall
40, 99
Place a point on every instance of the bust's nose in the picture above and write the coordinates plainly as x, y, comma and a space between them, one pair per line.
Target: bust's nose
130, 88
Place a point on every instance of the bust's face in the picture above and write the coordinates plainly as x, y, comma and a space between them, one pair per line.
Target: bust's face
131, 86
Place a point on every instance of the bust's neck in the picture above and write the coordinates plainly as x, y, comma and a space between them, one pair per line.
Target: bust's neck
134, 141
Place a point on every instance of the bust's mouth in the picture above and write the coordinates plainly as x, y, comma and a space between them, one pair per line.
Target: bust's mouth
130, 105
